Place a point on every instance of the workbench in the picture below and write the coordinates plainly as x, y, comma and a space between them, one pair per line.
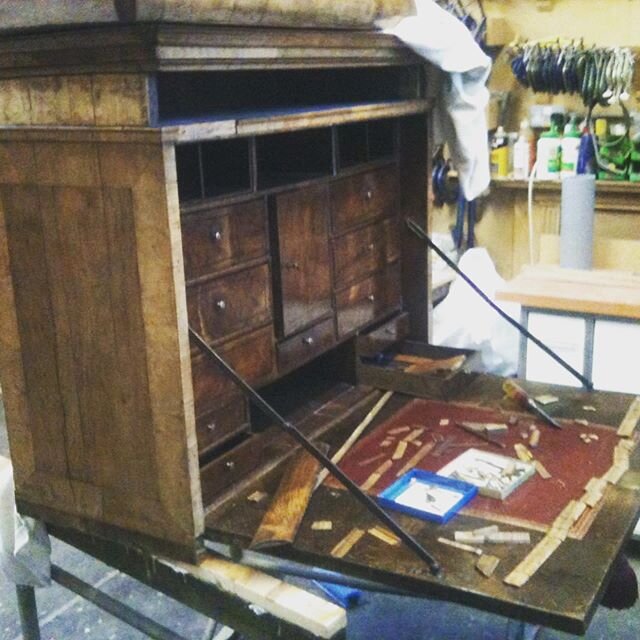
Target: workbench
591, 317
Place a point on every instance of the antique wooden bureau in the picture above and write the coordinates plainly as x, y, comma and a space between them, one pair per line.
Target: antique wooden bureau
250, 183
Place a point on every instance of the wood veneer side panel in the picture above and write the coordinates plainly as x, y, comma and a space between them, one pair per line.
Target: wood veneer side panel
148, 170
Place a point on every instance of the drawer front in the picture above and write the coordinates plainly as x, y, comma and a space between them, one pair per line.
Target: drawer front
252, 356
365, 301
224, 237
363, 196
231, 467
221, 423
360, 253
235, 302
306, 345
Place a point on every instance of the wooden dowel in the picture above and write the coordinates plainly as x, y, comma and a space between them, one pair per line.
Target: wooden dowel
340, 453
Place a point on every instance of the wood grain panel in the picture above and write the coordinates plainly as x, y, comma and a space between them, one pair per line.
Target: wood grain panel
230, 304
367, 300
363, 196
304, 264
252, 356
360, 253
97, 395
224, 237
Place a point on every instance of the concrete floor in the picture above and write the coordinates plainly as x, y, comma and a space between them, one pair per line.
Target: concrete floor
64, 616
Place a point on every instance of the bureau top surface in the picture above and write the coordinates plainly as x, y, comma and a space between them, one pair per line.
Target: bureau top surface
605, 293
20, 14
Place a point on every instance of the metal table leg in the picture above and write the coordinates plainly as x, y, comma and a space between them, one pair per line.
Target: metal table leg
28, 611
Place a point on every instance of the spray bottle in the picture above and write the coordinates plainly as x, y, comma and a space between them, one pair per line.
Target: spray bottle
523, 152
570, 149
549, 153
499, 154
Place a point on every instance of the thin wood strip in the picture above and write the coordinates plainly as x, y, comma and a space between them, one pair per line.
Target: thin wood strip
385, 535
417, 457
401, 449
416, 433
340, 453
372, 480
461, 546
630, 420
346, 544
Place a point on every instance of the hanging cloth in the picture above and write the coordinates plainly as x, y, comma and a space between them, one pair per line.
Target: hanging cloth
459, 116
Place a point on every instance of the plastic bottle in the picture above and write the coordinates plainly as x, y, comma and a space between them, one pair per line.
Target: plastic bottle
549, 154
570, 149
499, 154
586, 153
523, 152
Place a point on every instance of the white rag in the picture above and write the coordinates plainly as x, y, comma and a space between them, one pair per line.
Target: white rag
460, 114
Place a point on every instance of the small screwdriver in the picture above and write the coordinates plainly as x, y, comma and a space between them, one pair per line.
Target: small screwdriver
518, 394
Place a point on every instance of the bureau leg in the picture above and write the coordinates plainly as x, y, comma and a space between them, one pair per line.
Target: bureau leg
28, 611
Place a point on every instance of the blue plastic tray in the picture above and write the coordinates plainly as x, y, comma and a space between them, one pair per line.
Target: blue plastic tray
399, 490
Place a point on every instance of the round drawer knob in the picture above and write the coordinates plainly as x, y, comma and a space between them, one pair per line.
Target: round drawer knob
371, 297
371, 247
211, 426
368, 194
221, 305
308, 341
216, 234
230, 465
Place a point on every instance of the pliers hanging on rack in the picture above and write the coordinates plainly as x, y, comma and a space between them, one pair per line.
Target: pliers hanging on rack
470, 207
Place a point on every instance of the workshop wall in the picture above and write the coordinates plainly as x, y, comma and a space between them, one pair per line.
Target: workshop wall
503, 225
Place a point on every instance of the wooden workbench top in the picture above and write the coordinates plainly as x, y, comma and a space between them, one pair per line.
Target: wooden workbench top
605, 293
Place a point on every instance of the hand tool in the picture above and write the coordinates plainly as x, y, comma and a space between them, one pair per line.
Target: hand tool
291, 430
517, 393
478, 429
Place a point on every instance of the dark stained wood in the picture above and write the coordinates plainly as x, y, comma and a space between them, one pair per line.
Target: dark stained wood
286, 510
363, 196
389, 334
221, 424
304, 265
252, 356
367, 300
224, 237
360, 253
431, 384
236, 302
295, 351
413, 165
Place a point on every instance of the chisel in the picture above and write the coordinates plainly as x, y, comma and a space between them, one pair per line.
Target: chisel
518, 394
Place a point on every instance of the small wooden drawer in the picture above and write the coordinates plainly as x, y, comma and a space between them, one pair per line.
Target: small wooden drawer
307, 344
236, 302
252, 356
365, 301
359, 253
231, 467
222, 423
223, 237
363, 196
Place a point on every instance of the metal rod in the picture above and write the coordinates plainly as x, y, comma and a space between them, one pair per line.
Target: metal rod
283, 566
352, 487
121, 611
417, 230
28, 611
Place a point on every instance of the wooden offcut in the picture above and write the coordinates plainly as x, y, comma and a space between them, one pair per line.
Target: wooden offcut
285, 513
630, 421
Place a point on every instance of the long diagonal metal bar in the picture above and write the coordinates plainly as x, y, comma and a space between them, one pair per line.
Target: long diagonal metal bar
290, 429
419, 231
